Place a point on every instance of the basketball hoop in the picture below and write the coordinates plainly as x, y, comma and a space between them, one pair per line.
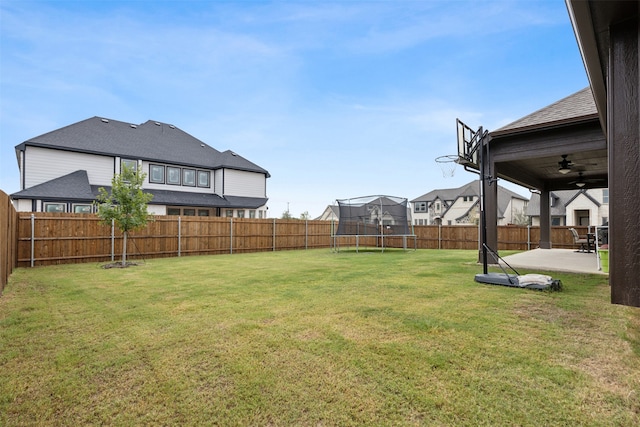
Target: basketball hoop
448, 165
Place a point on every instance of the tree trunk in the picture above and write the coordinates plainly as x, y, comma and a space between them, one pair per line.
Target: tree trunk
124, 249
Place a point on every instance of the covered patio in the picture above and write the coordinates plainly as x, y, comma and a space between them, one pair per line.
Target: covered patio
589, 139
559, 147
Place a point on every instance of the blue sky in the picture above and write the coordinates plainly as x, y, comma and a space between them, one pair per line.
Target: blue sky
336, 99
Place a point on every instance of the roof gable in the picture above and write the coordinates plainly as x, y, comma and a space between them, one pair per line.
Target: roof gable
586, 195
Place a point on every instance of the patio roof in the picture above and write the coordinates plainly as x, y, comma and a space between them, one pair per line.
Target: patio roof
528, 150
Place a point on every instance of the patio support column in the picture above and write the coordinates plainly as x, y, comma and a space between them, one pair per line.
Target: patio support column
490, 191
624, 162
545, 220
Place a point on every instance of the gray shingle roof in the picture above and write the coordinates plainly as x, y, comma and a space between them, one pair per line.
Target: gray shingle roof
75, 187
449, 194
576, 107
153, 141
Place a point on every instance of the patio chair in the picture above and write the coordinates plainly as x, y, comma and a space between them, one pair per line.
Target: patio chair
583, 241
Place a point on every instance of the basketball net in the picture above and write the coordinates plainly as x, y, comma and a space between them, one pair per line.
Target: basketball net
447, 165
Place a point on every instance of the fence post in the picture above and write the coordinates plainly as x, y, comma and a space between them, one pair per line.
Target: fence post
333, 237
231, 235
179, 236
439, 234
33, 228
528, 237
274, 235
306, 234
113, 238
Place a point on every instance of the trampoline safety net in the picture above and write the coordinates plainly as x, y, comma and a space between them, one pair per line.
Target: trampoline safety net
373, 216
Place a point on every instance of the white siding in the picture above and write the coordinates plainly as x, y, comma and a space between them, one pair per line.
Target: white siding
45, 164
515, 207
244, 184
22, 205
458, 209
157, 209
217, 179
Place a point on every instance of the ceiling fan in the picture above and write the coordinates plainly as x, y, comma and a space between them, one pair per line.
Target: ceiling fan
565, 165
582, 181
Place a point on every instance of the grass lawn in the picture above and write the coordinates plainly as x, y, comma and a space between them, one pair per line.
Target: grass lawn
312, 338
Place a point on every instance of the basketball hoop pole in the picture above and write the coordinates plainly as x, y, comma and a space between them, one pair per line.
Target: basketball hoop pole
483, 215
473, 150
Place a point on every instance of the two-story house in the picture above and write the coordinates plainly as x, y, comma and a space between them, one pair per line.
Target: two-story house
461, 206
62, 170
573, 207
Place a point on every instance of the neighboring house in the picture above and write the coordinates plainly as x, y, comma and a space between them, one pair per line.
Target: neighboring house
573, 207
62, 170
330, 213
461, 206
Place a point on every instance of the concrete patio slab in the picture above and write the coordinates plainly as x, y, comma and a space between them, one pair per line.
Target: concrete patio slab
556, 260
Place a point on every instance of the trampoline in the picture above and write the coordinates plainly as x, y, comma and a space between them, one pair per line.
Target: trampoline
370, 219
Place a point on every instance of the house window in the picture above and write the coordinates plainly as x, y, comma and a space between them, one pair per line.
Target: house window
605, 195
240, 213
189, 177
188, 211
78, 208
156, 174
173, 175
131, 164
55, 207
229, 213
203, 179
252, 213
437, 207
420, 207
260, 214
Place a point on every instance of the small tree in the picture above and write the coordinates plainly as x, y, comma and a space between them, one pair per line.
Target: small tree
126, 205
304, 215
286, 215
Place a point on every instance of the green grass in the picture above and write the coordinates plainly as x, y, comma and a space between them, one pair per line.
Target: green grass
312, 338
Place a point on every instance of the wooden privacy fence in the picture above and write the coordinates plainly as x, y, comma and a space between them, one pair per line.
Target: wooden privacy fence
58, 238
8, 239
50, 238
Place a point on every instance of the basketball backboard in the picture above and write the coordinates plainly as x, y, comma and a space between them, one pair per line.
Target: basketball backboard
467, 145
